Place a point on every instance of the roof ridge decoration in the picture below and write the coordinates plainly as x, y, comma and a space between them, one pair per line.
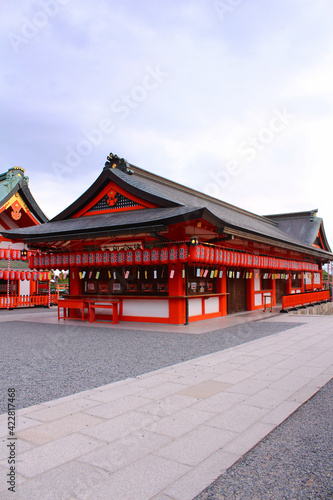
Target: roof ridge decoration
113, 161
13, 177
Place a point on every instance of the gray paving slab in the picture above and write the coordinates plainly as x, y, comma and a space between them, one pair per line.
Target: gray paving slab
293, 462
45, 362
143, 437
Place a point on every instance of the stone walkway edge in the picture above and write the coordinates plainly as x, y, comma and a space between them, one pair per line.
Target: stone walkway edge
167, 434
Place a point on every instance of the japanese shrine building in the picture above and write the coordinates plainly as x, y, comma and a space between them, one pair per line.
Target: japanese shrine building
172, 254
18, 209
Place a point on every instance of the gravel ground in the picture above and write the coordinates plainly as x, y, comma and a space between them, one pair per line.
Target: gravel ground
293, 462
45, 362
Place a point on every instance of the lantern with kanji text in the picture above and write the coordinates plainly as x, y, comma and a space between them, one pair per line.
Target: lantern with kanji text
98, 258
113, 258
106, 258
195, 254
138, 256
164, 255
121, 258
129, 257
173, 254
183, 253
155, 255
84, 259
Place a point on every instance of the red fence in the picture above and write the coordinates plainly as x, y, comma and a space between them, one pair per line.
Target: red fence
27, 301
301, 299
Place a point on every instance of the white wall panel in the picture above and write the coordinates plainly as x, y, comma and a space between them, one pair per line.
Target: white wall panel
146, 308
195, 307
212, 305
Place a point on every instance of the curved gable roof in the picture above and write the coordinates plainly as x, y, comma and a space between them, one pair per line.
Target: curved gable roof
306, 226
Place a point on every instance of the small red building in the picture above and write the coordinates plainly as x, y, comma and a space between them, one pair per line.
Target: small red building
18, 209
171, 254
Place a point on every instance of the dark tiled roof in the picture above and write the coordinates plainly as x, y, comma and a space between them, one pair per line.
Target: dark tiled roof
112, 221
304, 225
231, 216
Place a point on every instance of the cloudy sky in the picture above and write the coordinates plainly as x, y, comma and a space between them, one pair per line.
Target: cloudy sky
230, 97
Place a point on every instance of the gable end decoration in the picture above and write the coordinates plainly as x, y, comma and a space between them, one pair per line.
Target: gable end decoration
113, 201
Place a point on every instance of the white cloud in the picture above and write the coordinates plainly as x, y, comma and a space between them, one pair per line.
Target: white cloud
225, 79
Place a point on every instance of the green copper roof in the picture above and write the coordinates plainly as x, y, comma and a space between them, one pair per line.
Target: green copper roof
9, 179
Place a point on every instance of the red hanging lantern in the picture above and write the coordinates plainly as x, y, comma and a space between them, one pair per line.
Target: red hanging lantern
173, 254
195, 254
121, 258
31, 262
129, 257
183, 253
17, 275
91, 258
98, 258
5, 275
72, 259
28, 275
52, 261
114, 258
2, 253
46, 262
65, 260
34, 276
41, 261
7, 254
84, 259
207, 254
78, 259
155, 255
58, 260
12, 275
164, 255
13, 254
146, 256
211, 255
216, 256
106, 258
138, 256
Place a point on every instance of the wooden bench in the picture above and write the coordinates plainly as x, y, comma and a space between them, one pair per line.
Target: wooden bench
67, 304
110, 305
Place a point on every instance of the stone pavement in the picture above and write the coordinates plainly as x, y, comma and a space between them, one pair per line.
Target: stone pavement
169, 433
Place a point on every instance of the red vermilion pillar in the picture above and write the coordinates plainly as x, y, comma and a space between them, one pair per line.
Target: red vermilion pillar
273, 292
74, 287
250, 292
221, 287
177, 288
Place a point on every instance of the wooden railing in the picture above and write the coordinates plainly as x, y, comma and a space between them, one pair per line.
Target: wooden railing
302, 299
27, 301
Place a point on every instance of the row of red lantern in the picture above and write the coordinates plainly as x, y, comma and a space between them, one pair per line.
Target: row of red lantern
197, 254
210, 255
25, 275
115, 258
13, 254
